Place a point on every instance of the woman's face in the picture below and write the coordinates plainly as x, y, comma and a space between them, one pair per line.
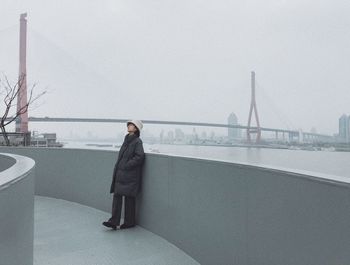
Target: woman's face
131, 128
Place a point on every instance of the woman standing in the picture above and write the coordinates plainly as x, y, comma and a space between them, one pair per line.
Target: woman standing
127, 177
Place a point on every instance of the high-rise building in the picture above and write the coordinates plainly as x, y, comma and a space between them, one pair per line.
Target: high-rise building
171, 136
344, 128
233, 133
179, 135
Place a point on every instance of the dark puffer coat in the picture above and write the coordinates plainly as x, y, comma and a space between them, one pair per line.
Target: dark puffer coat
128, 168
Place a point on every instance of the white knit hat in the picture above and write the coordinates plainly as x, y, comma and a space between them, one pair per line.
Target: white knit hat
137, 123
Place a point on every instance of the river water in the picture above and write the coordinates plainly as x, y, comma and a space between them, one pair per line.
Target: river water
326, 162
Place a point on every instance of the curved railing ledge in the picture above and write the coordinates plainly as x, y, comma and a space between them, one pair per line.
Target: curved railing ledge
17, 209
19, 168
6, 162
305, 174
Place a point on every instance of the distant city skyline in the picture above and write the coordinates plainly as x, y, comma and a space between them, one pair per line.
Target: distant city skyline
86, 129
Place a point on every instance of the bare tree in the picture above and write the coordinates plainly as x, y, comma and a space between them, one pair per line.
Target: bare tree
10, 93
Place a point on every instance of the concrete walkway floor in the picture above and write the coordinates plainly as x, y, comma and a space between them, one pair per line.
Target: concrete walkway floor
67, 233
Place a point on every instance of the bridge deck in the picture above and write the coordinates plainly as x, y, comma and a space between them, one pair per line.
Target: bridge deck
70, 233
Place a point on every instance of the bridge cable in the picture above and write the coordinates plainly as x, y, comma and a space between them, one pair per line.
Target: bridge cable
281, 116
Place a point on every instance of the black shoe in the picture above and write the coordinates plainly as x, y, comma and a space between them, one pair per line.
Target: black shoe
109, 224
125, 226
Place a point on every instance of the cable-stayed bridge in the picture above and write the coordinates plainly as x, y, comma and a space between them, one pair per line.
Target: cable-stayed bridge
282, 134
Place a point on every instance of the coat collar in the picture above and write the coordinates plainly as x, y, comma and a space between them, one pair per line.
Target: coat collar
130, 137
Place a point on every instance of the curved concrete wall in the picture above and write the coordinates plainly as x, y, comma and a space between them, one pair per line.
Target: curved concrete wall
217, 212
16, 210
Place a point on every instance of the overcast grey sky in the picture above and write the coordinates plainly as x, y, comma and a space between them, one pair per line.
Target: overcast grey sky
186, 60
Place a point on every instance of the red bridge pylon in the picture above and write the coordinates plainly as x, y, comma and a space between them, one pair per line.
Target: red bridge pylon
22, 120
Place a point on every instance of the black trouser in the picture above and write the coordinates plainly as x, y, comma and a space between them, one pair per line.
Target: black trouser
129, 217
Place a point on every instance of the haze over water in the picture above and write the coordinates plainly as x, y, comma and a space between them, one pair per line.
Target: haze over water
326, 162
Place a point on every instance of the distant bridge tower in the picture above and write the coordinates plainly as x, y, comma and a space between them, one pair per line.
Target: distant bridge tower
22, 120
250, 130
